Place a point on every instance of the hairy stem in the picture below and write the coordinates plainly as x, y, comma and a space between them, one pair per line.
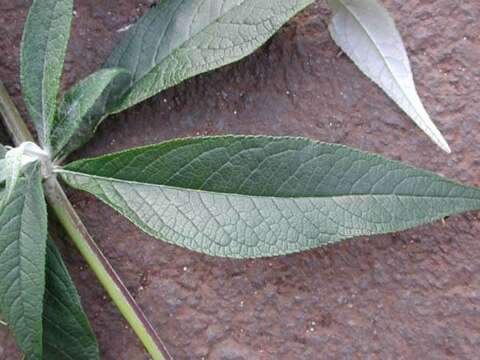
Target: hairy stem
12, 119
84, 242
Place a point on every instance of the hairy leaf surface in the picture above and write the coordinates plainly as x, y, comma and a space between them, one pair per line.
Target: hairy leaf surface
83, 108
12, 166
179, 39
23, 236
15, 160
3, 152
367, 34
44, 44
67, 332
243, 196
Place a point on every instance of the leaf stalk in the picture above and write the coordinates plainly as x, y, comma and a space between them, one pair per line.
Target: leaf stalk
84, 242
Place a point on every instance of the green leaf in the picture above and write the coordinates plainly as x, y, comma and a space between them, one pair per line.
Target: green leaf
245, 197
12, 166
179, 39
15, 160
3, 152
67, 332
2, 173
23, 236
83, 108
44, 44
367, 34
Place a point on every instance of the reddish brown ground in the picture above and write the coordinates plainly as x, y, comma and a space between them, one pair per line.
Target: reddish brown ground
402, 296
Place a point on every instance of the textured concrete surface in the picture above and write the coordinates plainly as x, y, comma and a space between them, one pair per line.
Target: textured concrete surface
410, 295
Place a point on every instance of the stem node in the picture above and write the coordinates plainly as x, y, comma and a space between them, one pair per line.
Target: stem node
84, 242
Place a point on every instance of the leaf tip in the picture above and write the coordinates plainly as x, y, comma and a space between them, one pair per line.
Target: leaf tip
442, 143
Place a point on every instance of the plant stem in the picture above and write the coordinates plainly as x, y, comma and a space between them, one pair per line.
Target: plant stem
107, 276
84, 242
12, 118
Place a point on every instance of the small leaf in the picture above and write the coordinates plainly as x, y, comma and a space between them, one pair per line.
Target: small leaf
83, 108
23, 236
12, 166
179, 39
15, 160
67, 332
44, 44
367, 34
245, 197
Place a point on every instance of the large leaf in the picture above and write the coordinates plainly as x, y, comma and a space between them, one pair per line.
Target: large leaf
67, 333
83, 108
367, 34
23, 236
179, 39
261, 196
44, 44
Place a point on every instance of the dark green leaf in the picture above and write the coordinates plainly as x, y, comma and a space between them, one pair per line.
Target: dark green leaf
83, 108
44, 44
179, 39
67, 333
249, 196
23, 236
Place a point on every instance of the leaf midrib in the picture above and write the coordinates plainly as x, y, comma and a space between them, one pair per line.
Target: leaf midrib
46, 122
192, 35
20, 261
130, 182
377, 48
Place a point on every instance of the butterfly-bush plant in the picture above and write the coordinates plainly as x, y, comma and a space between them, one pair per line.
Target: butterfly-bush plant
230, 196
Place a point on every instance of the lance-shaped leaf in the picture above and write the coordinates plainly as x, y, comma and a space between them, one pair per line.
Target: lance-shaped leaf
367, 34
179, 39
251, 197
23, 236
67, 332
44, 44
83, 108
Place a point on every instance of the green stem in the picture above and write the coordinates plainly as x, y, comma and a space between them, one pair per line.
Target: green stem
107, 276
84, 242
12, 118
